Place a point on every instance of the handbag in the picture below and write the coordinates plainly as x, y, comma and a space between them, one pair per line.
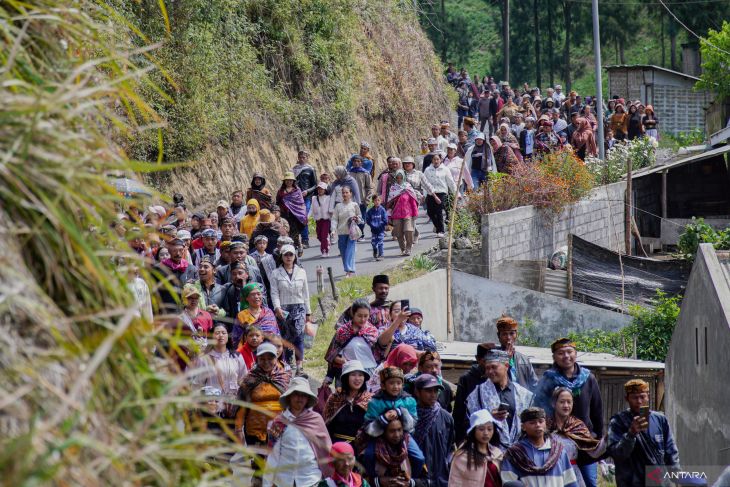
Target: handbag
355, 232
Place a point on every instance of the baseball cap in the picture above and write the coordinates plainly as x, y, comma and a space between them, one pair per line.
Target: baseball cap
288, 249
427, 381
266, 347
223, 204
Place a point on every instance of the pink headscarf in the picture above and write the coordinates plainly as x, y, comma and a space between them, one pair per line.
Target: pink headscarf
400, 355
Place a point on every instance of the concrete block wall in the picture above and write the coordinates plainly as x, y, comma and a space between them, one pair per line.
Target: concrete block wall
527, 233
680, 109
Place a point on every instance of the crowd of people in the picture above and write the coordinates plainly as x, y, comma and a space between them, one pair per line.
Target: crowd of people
385, 415
531, 123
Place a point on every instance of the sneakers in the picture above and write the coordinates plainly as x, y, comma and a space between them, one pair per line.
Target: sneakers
440, 235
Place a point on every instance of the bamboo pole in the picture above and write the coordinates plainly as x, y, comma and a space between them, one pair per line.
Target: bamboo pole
449, 250
627, 207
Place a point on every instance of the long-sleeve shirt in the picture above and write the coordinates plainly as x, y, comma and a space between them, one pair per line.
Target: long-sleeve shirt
289, 290
320, 207
292, 460
336, 191
376, 218
342, 214
627, 450
454, 166
440, 179
214, 367
419, 182
561, 475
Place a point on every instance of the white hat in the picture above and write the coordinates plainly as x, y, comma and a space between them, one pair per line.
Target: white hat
480, 135
266, 347
183, 235
354, 366
298, 384
452, 146
483, 416
431, 141
322, 185
288, 249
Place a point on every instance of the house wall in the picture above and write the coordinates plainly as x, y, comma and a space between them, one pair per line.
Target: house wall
526, 233
697, 395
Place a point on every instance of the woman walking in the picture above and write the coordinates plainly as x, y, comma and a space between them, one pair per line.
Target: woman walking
290, 300
403, 201
651, 123
290, 200
344, 217
322, 214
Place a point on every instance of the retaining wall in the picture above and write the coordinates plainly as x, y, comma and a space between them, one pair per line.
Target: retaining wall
526, 233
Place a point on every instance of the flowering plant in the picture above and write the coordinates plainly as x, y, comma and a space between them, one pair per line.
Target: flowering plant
641, 151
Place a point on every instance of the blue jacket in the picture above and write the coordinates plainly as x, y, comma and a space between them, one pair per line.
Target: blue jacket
376, 217
383, 402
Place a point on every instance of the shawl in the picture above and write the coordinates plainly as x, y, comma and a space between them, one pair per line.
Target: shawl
426, 417
279, 378
518, 456
401, 354
583, 137
396, 190
338, 400
504, 157
392, 457
574, 385
312, 427
181, 267
294, 201
266, 320
576, 430
345, 333
359, 169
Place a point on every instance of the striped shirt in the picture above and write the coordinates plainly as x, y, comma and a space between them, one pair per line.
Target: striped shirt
561, 475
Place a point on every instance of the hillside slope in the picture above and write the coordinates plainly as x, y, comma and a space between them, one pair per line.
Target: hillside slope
260, 79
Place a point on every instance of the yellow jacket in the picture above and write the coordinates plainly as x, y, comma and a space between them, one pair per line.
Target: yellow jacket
249, 222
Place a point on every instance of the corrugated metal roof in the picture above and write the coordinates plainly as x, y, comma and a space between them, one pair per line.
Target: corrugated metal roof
681, 162
650, 66
465, 351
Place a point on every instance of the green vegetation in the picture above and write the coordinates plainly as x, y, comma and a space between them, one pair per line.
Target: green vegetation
716, 75
641, 152
699, 232
470, 34
682, 139
349, 290
652, 328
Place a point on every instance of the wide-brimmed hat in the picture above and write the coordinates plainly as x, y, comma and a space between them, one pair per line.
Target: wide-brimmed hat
478, 418
289, 175
354, 366
298, 384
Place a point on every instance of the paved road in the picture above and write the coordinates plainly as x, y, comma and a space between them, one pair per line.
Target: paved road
364, 262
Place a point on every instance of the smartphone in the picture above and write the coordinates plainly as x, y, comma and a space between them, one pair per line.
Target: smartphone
503, 406
405, 303
644, 412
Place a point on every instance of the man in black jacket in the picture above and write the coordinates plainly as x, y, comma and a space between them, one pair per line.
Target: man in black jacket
475, 377
306, 179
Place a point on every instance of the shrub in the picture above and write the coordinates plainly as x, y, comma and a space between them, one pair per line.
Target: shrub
641, 151
466, 224
421, 262
653, 326
698, 232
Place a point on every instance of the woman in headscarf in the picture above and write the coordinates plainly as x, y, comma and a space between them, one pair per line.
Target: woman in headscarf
504, 156
299, 442
546, 140
403, 203
572, 433
253, 312
221, 368
477, 461
344, 413
259, 192
584, 141
618, 121
634, 127
262, 387
651, 122
509, 139
290, 200
403, 357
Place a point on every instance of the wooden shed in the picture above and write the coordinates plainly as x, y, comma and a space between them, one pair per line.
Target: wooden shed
677, 105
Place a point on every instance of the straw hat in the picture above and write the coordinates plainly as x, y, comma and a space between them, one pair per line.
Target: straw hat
298, 384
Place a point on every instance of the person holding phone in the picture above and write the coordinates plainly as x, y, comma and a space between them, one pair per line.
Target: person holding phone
401, 332
640, 438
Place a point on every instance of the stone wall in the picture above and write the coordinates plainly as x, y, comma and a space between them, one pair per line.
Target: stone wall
527, 233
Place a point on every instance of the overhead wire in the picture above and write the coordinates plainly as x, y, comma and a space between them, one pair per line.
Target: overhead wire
702, 39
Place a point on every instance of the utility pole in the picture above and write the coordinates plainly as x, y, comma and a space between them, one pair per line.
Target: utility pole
599, 82
538, 71
505, 40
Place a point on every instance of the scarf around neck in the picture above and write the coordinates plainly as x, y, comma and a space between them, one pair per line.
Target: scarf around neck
517, 455
576, 430
392, 457
426, 417
279, 378
338, 400
181, 267
575, 385
312, 427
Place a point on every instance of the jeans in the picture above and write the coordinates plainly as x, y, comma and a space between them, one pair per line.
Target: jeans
376, 241
347, 251
478, 177
436, 211
305, 230
590, 474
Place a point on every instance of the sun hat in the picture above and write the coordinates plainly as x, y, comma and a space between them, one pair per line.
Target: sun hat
480, 135
478, 418
354, 366
223, 204
288, 249
298, 384
288, 175
266, 347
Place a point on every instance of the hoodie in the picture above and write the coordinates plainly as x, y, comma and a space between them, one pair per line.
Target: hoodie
259, 193
249, 221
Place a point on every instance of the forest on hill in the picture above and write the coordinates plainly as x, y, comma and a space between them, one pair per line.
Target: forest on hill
551, 40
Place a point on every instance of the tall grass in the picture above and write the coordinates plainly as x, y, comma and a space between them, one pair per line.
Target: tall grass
83, 400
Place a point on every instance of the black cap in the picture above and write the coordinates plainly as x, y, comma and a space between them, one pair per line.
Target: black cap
381, 279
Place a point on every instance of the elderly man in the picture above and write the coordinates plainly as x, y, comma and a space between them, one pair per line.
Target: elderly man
639, 438
503, 398
587, 402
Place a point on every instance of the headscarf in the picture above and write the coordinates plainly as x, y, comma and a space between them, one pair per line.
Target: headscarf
344, 448
497, 142
400, 355
340, 172
583, 137
247, 289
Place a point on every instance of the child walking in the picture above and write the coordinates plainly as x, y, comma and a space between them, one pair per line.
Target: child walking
321, 213
376, 218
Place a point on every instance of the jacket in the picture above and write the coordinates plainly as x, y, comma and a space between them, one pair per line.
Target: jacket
467, 383
487, 162
320, 209
364, 185
306, 179
525, 373
437, 447
376, 218
249, 222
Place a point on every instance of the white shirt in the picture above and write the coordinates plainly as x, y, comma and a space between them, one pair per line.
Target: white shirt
320, 207
292, 460
440, 179
342, 214
286, 290
214, 367
454, 166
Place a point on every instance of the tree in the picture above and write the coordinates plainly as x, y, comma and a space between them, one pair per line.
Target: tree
716, 61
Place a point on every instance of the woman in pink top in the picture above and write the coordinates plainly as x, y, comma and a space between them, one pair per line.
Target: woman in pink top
403, 203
